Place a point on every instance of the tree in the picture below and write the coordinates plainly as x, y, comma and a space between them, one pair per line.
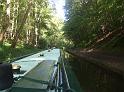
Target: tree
27, 22
90, 20
5, 19
18, 31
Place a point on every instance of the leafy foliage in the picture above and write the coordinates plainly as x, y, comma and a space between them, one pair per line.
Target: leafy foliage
31, 22
28, 24
89, 20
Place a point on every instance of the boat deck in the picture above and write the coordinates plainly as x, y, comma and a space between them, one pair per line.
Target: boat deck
36, 80
35, 72
39, 71
28, 63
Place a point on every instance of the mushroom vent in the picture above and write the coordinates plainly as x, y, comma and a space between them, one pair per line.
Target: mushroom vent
6, 76
16, 68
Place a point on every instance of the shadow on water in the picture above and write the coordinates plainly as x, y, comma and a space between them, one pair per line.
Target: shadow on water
94, 78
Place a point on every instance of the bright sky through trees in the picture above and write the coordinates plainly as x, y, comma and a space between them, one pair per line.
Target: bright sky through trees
59, 5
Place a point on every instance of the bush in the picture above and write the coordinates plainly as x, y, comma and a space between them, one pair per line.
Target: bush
7, 53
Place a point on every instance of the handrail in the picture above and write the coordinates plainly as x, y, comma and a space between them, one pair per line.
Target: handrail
53, 77
66, 84
65, 73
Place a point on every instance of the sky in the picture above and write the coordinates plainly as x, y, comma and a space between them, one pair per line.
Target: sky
59, 5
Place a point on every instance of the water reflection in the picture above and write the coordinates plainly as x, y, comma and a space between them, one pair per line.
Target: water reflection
94, 78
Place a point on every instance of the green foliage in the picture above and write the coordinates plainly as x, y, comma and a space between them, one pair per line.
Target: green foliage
7, 53
85, 18
31, 23
42, 44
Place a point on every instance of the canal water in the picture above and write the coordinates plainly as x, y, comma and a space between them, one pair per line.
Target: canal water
92, 77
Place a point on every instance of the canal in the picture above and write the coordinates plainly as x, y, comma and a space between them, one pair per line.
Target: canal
92, 77
60, 71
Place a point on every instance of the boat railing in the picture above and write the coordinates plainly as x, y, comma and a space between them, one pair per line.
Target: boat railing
59, 80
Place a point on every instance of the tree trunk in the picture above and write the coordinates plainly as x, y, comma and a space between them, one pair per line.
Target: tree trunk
18, 31
6, 22
106, 38
2, 37
14, 20
8, 29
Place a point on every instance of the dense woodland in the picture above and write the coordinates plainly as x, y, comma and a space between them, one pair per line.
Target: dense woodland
28, 24
95, 23
32, 23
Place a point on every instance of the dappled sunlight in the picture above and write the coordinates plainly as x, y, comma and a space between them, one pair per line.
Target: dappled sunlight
34, 34
58, 5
